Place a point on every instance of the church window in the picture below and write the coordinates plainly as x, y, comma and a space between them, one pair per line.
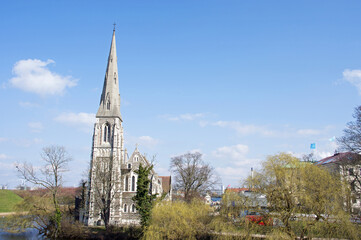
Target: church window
125, 208
133, 184
126, 183
129, 166
115, 77
106, 133
136, 158
108, 105
133, 208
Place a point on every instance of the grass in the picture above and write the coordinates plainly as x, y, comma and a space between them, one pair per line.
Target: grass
8, 199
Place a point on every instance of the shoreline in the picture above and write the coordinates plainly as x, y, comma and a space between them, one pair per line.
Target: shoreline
4, 214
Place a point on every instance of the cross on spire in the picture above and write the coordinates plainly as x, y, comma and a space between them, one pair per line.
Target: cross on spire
114, 26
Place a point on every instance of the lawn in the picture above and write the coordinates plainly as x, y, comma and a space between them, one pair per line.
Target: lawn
7, 200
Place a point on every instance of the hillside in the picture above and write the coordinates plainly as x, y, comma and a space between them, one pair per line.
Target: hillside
7, 200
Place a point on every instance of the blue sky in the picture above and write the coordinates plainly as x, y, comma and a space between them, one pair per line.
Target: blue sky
235, 80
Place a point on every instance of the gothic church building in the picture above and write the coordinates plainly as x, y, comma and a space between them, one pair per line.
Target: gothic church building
112, 177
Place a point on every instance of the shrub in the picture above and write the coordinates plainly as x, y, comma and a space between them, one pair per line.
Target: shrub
178, 220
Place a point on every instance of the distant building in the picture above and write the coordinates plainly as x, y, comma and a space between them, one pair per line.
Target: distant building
347, 166
109, 158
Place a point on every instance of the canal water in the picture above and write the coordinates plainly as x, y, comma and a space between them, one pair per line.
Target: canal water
29, 234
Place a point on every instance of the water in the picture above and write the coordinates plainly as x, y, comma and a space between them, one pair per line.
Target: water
29, 234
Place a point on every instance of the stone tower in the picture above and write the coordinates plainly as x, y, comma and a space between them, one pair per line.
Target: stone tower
107, 151
112, 180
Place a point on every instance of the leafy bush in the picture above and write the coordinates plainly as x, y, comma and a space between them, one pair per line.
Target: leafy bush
178, 220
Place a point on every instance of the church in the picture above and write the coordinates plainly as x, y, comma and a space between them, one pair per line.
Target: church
112, 179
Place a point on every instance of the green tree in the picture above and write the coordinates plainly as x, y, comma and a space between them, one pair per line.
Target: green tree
303, 192
144, 198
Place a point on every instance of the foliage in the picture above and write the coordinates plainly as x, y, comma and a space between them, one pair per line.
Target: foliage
144, 199
301, 191
192, 175
178, 220
55, 160
8, 199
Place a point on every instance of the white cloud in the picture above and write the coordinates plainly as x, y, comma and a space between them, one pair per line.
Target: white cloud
307, 132
184, 117
35, 126
240, 128
76, 118
32, 75
147, 141
353, 77
3, 156
235, 152
28, 104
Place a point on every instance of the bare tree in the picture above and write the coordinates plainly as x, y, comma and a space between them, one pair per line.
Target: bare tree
103, 186
351, 139
50, 176
192, 175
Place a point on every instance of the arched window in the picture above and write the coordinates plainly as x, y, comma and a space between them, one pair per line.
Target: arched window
126, 183
125, 208
136, 158
108, 105
106, 133
133, 208
129, 166
133, 184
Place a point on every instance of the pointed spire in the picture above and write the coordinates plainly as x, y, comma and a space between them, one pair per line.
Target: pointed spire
110, 98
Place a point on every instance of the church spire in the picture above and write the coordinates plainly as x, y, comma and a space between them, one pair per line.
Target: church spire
110, 98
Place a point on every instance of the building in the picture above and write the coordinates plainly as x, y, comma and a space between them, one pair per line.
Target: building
347, 166
112, 178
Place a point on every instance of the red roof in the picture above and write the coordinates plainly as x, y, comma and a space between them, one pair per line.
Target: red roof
338, 157
166, 183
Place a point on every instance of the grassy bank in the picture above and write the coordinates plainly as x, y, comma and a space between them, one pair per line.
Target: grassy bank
8, 199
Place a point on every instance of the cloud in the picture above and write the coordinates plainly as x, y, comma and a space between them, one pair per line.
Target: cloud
242, 129
184, 117
35, 126
84, 120
28, 104
147, 141
235, 152
308, 132
32, 75
353, 77
3, 156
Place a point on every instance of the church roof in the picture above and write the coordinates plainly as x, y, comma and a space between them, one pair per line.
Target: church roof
166, 183
110, 98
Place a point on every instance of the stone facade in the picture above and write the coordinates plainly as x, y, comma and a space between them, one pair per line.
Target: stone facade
112, 174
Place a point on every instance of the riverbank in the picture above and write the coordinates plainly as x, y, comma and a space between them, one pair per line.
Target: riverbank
4, 214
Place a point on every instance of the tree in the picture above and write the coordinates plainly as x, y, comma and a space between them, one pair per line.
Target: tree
192, 175
351, 139
49, 177
103, 186
303, 191
144, 198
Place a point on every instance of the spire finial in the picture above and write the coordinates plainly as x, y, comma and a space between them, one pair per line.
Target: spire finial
114, 26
